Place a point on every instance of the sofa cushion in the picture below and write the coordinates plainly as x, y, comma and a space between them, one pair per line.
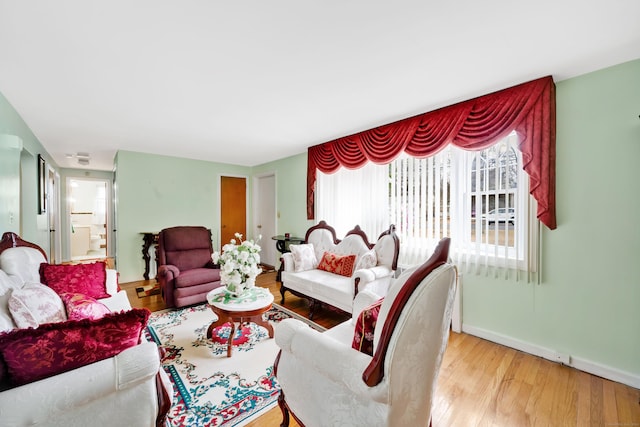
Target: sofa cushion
365, 328
53, 348
197, 276
80, 306
338, 264
35, 304
88, 279
304, 257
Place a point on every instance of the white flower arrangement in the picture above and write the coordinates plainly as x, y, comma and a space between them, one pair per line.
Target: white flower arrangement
239, 264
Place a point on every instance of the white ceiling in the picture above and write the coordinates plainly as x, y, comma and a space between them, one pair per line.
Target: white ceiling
250, 81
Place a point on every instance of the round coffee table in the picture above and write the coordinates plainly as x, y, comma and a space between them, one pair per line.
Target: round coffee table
247, 308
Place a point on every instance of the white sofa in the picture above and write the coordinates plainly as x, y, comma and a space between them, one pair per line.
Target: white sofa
320, 286
129, 388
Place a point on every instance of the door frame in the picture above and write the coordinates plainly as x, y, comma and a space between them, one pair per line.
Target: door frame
54, 213
266, 239
217, 244
108, 213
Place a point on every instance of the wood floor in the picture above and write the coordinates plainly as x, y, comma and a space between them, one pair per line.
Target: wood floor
486, 384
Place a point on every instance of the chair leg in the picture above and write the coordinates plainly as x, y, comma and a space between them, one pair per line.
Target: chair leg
284, 409
312, 308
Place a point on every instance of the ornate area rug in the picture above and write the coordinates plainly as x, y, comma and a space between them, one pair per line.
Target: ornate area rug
211, 389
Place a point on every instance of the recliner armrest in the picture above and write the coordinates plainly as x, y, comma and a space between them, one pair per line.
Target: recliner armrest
168, 271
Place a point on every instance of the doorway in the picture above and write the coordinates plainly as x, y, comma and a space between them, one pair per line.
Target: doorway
233, 209
265, 217
88, 237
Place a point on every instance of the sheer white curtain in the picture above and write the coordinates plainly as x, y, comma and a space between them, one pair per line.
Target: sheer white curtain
480, 199
420, 204
348, 198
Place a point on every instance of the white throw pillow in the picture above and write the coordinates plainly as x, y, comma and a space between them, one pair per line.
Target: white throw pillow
304, 257
35, 304
7, 285
23, 262
367, 260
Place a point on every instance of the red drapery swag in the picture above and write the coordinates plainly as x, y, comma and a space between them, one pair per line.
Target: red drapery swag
476, 124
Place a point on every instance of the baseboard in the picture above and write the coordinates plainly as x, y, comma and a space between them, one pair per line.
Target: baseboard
579, 363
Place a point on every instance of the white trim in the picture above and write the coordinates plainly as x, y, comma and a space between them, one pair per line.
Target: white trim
579, 363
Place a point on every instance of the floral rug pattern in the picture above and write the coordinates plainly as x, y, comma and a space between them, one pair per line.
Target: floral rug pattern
211, 389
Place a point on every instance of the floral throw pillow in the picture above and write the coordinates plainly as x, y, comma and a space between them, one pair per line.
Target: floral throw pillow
367, 260
338, 264
88, 279
34, 304
304, 257
365, 327
80, 307
53, 348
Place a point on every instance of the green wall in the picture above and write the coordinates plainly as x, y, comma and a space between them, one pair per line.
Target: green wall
26, 221
586, 305
154, 192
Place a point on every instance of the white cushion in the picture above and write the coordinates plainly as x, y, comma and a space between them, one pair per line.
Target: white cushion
367, 260
117, 302
304, 258
7, 285
327, 287
22, 262
35, 304
112, 282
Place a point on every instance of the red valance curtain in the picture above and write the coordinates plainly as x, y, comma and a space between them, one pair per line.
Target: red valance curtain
476, 124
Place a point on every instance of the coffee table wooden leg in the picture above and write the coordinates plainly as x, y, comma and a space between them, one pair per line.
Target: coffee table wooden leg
221, 321
231, 335
258, 320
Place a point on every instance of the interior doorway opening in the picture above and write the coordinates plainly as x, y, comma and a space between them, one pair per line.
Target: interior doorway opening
87, 218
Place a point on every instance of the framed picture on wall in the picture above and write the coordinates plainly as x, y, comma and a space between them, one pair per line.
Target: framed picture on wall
42, 194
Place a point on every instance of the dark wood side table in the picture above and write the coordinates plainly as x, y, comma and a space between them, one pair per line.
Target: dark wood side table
148, 239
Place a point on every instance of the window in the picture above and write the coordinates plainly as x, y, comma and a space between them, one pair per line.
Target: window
480, 199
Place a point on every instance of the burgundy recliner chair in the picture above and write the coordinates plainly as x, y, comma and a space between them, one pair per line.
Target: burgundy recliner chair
186, 272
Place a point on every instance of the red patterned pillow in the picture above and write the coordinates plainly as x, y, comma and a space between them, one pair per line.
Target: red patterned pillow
88, 279
365, 327
53, 348
338, 264
80, 306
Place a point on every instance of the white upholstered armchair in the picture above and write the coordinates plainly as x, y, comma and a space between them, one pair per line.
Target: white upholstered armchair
326, 382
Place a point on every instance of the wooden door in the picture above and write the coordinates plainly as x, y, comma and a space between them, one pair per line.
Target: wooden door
233, 208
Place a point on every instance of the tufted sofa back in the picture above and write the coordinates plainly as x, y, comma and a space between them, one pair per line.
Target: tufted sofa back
323, 238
